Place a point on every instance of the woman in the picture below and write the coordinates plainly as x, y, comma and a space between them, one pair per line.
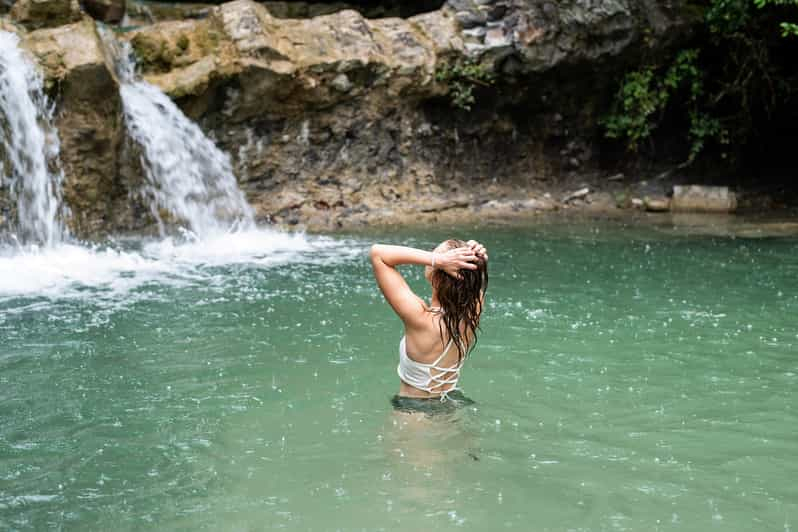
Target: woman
438, 336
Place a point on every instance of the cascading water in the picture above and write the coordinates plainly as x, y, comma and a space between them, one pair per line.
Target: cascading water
30, 144
188, 176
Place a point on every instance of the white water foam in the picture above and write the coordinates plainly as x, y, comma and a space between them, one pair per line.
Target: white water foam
69, 271
30, 143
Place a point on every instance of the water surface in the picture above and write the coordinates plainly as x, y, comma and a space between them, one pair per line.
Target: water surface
625, 379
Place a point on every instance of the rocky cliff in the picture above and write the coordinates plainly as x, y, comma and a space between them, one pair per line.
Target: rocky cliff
341, 119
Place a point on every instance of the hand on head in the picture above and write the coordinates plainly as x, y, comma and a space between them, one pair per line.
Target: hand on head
462, 258
478, 249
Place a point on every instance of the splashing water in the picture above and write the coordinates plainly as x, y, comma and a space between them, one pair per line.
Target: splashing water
30, 144
189, 177
109, 273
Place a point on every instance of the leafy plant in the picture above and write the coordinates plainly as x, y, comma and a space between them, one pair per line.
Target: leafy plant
461, 77
787, 28
644, 96
721, 89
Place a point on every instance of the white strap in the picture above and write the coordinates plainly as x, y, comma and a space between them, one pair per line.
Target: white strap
437, 360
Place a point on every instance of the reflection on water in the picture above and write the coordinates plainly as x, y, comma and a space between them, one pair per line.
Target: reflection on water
423, 452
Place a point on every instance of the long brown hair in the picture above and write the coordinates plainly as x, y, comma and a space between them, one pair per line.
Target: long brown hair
461, 301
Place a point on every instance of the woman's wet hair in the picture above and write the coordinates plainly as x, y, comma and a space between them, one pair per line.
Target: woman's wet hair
461, 301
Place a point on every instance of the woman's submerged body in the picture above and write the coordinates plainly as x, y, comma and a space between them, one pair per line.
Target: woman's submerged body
437, 336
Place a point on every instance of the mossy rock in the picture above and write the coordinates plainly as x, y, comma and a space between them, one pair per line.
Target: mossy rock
153, 54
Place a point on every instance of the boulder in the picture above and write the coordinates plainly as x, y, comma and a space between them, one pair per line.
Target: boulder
35, 14
698, 198
656, 204
110, 11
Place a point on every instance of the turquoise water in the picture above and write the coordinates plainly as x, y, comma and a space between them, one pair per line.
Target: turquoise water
627, 378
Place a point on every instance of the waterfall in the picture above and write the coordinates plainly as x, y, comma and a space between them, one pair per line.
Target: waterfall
187, 175
29, 146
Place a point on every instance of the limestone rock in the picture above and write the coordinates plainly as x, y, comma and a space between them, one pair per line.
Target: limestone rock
140, 13
287, 66
111, 11
347, 113
35, 14
6, 25
71, 50
698, 198
540, 35
89, 123
656, 204
576, 194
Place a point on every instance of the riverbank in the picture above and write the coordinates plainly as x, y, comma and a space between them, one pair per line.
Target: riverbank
585, 197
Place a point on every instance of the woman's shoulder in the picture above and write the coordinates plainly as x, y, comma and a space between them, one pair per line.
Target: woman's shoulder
424, 343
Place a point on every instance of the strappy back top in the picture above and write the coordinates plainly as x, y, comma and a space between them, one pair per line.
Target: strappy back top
430, 378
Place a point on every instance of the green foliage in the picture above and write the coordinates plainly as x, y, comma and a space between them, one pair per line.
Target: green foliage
728, 16
183, 42
461, 77
643, 99
716, 96
636, 103
789, 28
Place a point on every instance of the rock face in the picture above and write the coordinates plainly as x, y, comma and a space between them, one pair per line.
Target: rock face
89, 124
34, 14
110, 11
289, 67
340, 118
538, 35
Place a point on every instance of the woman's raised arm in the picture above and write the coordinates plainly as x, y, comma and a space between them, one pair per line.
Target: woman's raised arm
385, 258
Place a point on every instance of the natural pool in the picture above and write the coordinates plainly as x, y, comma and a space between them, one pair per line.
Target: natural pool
627, 378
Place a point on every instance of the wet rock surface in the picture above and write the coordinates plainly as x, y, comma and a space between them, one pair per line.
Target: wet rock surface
90, 127
110, 11
339, 120
35, 14
697, 198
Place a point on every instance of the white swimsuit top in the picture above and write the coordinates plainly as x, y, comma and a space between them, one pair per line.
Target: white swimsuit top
419, 375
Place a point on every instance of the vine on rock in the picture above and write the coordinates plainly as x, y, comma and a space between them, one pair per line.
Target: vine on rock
461, 77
